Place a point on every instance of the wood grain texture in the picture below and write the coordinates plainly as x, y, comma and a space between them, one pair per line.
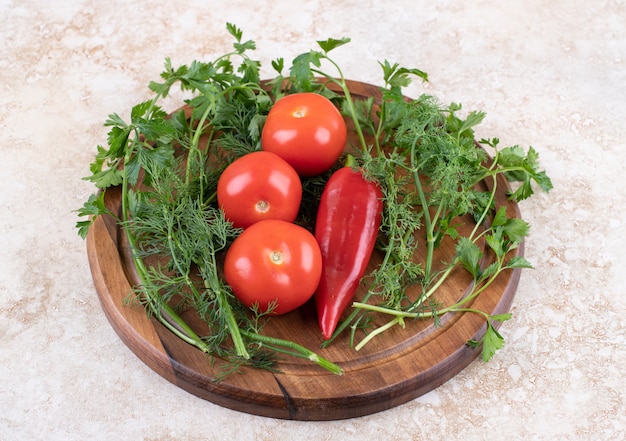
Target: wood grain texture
394, 368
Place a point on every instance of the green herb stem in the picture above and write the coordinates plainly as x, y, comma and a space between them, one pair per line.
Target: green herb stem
428, 224
349, 101
483, 215
195, 141
294, 349
398, 320
381, 123
181, 329
227, 311
475, 292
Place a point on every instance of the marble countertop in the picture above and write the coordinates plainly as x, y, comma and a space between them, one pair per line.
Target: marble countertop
548, 74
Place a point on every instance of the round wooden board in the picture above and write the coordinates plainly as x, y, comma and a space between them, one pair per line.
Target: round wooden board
392, 369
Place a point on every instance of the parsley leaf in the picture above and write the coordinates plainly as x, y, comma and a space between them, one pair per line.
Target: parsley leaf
332, 43
301, 72
469, 255
491, 342
93, 207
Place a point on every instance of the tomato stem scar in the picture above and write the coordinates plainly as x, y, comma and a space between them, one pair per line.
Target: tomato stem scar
276, 257
262, 206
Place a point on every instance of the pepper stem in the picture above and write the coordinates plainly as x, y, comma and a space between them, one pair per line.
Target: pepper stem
350, 161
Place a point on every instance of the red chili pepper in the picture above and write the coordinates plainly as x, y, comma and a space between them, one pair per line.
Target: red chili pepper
348, 219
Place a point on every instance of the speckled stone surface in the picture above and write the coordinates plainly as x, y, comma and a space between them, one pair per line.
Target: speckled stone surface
548, 74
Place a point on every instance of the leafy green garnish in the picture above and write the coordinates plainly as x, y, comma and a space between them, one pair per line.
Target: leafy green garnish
168, 206
428, 164
423, 155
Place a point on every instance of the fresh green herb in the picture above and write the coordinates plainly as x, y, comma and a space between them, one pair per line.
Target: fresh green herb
168, 211
423, 155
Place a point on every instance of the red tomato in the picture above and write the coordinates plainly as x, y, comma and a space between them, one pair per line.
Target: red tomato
274, 261
307, 131
258, 186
